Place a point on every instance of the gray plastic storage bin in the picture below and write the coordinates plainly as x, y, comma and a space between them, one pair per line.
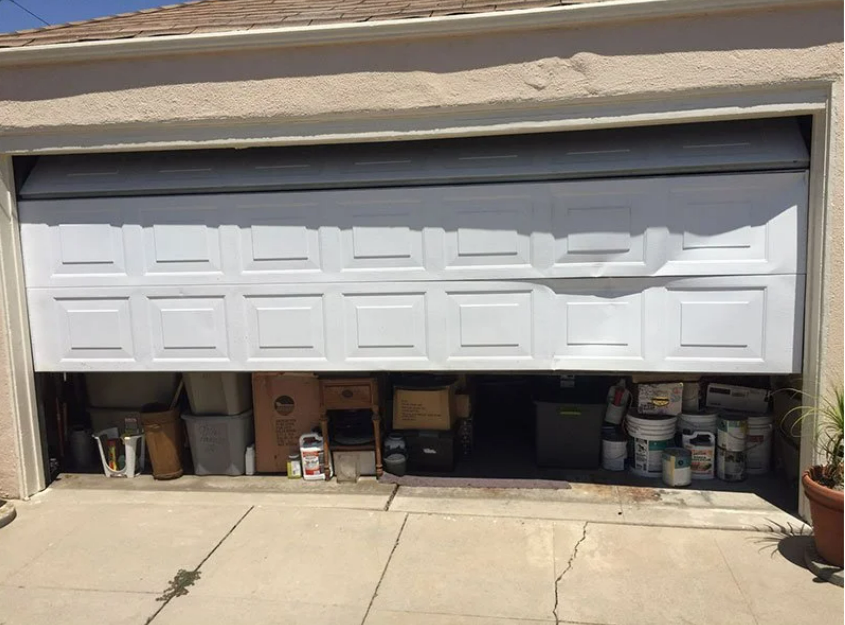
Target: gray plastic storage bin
130, 390
212, 393
218, 443
569, 435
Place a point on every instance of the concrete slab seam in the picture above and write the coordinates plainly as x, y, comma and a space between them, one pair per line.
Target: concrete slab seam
736, 582
384, 570
558, 519
203, 561
566, 570
391, 498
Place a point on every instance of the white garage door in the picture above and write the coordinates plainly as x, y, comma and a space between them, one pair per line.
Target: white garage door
679, 249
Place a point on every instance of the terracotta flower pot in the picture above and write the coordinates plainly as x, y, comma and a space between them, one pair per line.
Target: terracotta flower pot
826, 511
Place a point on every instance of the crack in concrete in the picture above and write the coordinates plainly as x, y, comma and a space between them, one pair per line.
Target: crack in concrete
566, 570
195, 573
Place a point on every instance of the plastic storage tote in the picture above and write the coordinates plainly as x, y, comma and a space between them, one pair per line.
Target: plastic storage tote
569, 435
218, 443
212, 393
130, 390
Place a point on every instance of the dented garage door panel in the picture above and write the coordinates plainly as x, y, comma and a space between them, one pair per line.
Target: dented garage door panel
743, 224
736, 323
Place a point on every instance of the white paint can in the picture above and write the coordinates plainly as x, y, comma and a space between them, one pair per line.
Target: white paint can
759, 444
649, 435
733, 431
676, 467
730, 465
614, 449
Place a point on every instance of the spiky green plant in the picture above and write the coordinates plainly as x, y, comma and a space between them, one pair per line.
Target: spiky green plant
828, 412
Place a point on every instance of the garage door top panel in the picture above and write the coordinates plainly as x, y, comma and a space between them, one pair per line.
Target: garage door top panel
723, 146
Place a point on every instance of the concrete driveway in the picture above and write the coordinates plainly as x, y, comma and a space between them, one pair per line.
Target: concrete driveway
369, 554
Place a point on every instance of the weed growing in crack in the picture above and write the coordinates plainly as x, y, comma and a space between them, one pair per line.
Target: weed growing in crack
179, 585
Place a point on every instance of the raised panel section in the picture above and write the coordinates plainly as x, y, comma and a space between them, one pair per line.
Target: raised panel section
604, 227
490, 325
285, 327
279, 234
95, 329
188, 328
181, 239
488, 226
600, 325
736, 224
381, 229
716, 323
385, 326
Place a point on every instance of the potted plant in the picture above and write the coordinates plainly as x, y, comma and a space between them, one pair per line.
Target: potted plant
823, 482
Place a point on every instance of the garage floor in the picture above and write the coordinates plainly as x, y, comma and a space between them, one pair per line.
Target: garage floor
371, 554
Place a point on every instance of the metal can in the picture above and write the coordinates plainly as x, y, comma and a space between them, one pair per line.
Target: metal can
730, 465
294, 467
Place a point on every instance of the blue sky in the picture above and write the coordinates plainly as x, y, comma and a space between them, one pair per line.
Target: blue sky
13, 17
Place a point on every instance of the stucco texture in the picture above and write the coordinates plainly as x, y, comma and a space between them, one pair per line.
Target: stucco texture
657, 60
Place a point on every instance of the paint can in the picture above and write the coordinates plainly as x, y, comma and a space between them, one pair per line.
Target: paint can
702, 448
733, 431
649, 435
614, 448
676, 466
730, 465
758, 447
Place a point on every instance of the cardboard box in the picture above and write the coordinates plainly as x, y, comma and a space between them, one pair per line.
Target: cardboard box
666, 398
424, 409
286, 406
463, 406
738, 398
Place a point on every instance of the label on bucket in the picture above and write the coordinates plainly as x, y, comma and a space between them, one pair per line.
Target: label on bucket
702, 462
730, 465
732, 434
647, 455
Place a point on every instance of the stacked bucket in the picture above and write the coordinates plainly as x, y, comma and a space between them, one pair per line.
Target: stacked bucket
670, 435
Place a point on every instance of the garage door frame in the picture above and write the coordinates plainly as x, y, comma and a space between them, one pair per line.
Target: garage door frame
789, 100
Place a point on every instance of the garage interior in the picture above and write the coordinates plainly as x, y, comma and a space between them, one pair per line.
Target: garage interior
534, 267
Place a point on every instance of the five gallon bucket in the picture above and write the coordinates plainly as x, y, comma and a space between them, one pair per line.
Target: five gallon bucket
698, 422
614, 448
758, 450
731, 440
649, 436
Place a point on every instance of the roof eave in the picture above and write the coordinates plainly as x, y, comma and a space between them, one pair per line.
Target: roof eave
452, 25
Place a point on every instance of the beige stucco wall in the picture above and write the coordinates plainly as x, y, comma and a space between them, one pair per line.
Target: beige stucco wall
658, 60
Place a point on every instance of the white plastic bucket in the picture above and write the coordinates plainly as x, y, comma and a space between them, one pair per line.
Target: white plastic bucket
698, 421
702, 448
649, 436
732, 432
614, 449
759, 444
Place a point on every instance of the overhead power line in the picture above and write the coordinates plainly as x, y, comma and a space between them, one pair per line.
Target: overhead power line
23, 8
